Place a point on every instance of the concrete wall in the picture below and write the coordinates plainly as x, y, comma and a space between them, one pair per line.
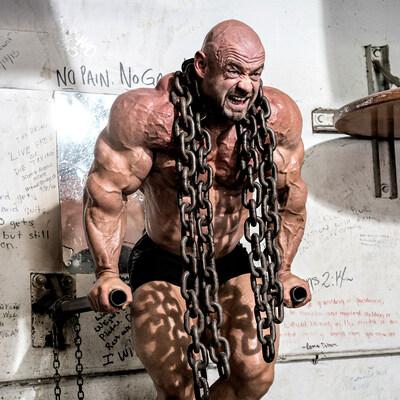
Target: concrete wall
345, 343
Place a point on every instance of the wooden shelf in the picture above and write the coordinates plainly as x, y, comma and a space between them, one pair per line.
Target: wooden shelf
376, 116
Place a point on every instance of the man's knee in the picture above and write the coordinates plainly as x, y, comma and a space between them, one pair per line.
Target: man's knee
253, 376
175, 387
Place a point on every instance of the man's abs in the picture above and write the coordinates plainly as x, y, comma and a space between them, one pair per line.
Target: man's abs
163, 223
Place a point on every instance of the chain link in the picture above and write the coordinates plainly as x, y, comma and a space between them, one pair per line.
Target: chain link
78, 356
199, 280
57, 325
261, 232
56, 361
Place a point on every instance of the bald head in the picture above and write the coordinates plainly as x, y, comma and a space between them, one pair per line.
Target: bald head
228, 37
228, 68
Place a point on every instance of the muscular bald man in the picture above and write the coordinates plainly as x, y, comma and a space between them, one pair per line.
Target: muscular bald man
137, 150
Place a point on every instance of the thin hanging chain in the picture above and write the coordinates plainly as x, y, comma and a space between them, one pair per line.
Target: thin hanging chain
78, 356
199, 280
56, 361
254, 134
78, 352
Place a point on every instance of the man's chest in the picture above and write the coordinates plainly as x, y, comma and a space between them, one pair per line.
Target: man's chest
223, 160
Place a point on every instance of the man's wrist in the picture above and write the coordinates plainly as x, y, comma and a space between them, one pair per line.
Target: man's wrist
107, 273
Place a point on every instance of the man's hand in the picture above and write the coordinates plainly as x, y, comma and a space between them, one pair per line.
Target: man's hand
98, 296
291, 281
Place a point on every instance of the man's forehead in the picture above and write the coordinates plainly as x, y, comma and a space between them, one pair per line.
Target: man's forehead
235, 42
242, 56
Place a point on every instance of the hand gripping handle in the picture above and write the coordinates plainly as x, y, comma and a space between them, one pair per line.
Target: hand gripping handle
117, 298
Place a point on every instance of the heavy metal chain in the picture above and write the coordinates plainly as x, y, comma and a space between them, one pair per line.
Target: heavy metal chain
255, 138
199, 280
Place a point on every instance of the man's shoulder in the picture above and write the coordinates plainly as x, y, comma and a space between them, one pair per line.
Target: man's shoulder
141, 113
285, 117
144, 99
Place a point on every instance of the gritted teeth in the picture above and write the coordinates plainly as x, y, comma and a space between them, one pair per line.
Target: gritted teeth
237, 99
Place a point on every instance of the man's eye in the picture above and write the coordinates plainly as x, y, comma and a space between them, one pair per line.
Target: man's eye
233, 72
255, 75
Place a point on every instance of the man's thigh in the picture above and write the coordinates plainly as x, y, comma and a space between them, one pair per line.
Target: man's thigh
158, 334
237, 300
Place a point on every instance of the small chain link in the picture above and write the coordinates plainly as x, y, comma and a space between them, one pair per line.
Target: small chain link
78, 356
56, 344
261, 232
56, 361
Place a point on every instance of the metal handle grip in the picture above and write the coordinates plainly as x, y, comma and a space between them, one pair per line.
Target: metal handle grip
117, 298
298, 294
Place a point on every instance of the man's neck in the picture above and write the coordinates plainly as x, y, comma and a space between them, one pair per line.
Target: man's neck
217, 124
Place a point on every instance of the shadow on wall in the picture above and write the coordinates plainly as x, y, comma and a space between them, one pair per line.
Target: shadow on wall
349, 26
340, 174
38, 16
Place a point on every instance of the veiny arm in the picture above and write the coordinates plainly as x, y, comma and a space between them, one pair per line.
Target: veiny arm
292, 195
121, 164
292, 192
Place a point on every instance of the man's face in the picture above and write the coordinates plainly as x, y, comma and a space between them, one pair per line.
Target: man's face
232, 81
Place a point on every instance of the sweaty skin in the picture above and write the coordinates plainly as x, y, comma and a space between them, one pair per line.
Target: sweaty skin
137, 151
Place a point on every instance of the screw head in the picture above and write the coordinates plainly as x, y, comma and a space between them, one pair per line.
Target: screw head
39, 280
67, 281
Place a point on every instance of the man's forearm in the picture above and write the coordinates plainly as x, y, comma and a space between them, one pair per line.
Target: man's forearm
105, 227
293, 220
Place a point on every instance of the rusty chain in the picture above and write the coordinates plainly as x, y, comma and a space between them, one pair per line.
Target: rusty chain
261, 231
199, 280
257, 143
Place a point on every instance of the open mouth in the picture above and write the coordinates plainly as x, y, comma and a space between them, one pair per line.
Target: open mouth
238, 100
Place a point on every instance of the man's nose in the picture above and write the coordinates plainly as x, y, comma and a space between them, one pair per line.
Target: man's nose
245, 84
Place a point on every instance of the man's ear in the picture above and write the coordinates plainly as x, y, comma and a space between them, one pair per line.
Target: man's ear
200, 63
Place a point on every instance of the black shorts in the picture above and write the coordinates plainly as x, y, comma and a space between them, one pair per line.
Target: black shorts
148, 262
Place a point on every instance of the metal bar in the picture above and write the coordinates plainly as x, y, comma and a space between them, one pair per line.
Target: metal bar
377, 170
375, 79
386, 73
78, 305
81, 304
392, 169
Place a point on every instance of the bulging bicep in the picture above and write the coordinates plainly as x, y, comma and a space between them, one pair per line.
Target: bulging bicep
116, 172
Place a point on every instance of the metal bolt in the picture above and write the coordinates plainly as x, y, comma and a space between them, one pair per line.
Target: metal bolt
39, 280
385, 188
377, 53
67, 281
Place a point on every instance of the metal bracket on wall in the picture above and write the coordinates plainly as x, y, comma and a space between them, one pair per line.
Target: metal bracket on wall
322, 120
46, 289
379, 78
384, 162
